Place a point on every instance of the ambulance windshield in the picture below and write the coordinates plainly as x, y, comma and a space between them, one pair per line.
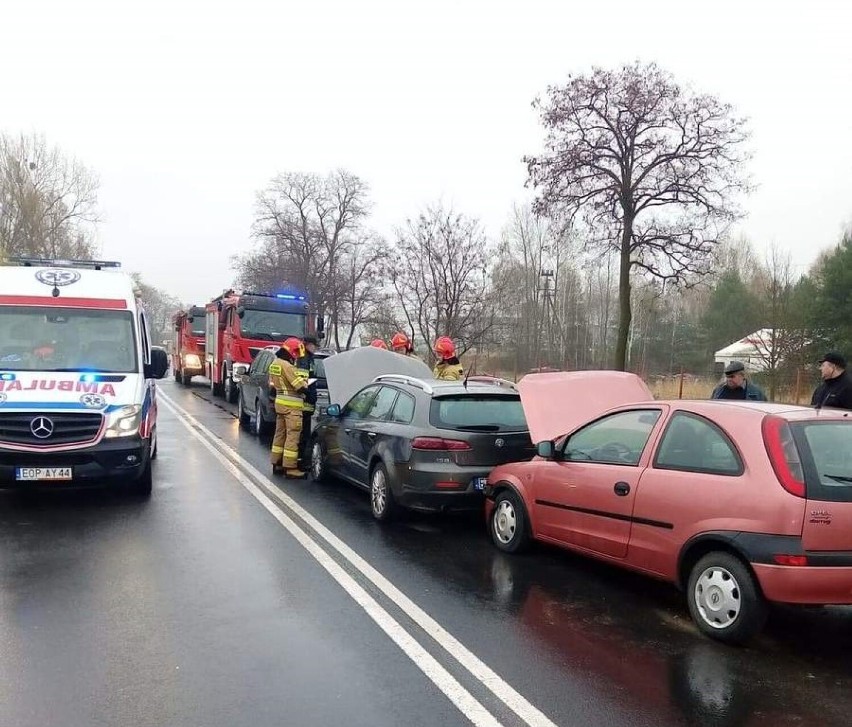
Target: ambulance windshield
66, 339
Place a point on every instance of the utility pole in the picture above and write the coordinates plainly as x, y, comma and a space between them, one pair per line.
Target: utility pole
546, 306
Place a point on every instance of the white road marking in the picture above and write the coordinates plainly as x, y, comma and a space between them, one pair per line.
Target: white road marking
467, 704
501, 689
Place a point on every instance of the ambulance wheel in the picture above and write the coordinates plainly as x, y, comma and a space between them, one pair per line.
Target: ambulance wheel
143, 486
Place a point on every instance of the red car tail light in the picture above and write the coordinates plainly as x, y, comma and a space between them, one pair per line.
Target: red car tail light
796, 560
448, 485
439, 444
783, 454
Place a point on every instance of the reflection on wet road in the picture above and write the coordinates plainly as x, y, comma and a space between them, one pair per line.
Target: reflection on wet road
198, 607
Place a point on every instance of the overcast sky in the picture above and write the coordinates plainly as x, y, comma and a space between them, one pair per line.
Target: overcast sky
185, 109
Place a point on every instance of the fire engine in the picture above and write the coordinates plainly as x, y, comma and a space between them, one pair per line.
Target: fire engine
241, 323
188, 344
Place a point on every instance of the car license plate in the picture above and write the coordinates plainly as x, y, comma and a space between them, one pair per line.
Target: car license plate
479, 483
42, 473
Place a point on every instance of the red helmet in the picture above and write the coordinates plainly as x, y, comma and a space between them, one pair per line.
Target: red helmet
379, 343
445, 347
294, 347
400, 340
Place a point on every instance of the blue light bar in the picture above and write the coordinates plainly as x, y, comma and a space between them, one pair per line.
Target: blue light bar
89, 378
7, 377
287, 296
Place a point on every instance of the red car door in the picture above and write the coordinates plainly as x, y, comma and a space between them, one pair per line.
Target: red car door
585, 496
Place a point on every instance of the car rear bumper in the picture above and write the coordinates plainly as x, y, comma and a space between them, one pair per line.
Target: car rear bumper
111, 460
820, 585
449, 488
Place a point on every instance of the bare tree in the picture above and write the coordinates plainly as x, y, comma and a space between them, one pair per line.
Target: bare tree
309, 231
440, 277
47, 201
649, 169
363, 271
160, 307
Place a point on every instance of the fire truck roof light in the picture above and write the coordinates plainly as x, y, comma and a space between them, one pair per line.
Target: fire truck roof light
288, 296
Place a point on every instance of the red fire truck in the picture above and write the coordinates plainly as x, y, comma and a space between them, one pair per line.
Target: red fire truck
241, 323
188, 344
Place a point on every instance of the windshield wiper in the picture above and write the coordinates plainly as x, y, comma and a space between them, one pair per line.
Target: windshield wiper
839, 478
258, 336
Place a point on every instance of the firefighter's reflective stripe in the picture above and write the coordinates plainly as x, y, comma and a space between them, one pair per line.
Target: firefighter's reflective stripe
293, 402
277, 450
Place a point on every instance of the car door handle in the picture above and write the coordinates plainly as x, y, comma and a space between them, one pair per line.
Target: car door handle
348, 431
371, 435
621, 489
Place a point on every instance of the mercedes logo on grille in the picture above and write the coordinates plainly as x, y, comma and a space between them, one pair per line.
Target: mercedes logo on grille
41, 427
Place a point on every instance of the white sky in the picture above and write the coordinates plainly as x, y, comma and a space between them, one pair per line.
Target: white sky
185, 109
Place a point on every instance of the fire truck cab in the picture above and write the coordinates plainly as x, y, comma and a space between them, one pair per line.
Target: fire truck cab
188, 344
239, 324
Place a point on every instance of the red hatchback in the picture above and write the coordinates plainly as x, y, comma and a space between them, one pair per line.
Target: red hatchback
737, 503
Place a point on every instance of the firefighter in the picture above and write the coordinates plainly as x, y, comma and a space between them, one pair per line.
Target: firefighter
289, 389
401, 344
379, 343
448, 368
306, 369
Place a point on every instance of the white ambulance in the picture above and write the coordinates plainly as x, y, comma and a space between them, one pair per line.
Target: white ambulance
77, 394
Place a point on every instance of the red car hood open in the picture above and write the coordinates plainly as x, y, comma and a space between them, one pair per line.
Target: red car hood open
557, 403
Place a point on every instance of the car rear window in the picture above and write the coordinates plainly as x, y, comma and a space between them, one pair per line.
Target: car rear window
481, 413
827, 457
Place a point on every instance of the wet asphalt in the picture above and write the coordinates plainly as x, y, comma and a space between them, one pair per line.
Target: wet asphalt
198, 607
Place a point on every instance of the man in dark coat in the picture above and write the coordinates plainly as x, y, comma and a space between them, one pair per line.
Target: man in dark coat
736, 386
835, 391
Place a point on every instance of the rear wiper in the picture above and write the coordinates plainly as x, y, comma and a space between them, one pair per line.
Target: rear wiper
839, 478
480, 428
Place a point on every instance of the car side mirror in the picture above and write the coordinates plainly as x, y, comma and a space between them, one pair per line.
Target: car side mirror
159, 364
333, 410
546, 450
241, 312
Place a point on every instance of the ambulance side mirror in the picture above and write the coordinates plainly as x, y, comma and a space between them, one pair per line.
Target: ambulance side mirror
159, 364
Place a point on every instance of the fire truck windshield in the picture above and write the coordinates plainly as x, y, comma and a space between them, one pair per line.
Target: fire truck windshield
198, 321
270, 325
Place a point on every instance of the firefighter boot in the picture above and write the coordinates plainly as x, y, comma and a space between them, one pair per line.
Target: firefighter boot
295, 474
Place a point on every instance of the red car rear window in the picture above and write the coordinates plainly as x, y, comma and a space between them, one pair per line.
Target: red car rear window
827, 455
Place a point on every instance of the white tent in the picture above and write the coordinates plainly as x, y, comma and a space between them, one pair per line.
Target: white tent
753, 350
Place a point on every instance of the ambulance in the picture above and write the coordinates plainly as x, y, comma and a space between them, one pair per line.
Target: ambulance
78, 401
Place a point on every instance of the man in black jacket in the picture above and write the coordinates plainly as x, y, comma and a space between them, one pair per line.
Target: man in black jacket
736, 386
835, 391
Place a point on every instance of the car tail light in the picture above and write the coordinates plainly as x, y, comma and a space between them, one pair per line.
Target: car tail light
448, 485
439, 444
796, 560
783, 454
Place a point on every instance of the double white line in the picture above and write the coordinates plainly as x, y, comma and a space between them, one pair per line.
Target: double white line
265, 491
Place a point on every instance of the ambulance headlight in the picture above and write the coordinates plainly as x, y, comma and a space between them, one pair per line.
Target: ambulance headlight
192, 360
124, 422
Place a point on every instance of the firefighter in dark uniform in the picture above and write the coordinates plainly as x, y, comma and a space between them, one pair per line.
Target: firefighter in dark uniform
737, 386
835, 391
290, 390
307, 369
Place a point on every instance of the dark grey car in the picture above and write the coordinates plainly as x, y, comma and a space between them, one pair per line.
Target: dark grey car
422, 444
256, 404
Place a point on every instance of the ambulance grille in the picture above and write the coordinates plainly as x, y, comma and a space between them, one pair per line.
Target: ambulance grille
48, 429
